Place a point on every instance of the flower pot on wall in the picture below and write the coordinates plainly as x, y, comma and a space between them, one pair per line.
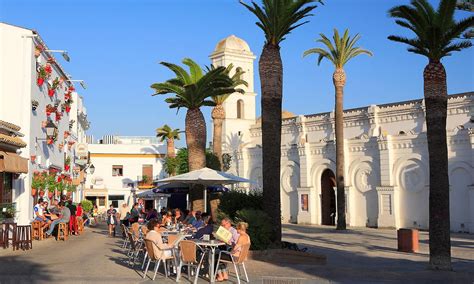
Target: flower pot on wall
33, 191
51, 92
68, 108
40, 81
67, 167
41, 193
50, 194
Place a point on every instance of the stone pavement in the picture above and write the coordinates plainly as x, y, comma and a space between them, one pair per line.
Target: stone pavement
356, 256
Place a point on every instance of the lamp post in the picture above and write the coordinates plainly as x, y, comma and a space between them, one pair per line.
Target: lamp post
83, 84
63, 53
51, 131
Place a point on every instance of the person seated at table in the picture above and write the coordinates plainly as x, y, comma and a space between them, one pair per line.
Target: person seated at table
39, 214
207, 229
64, 217
227, 224
178, 216
53, 207
152, 214
135, 213
154, 235
190, 217
198, 223
167, 219
243, 239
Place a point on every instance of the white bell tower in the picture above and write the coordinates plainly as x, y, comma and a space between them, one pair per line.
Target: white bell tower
239, 108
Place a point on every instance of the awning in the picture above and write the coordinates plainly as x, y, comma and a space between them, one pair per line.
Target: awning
13, 163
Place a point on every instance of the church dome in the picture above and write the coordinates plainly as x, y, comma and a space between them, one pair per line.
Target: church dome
284, 115
232, 43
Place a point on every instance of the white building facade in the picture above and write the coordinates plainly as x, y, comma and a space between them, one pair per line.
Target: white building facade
386, 157
120, 168
23, 101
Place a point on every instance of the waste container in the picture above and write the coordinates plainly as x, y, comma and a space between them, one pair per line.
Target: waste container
407, 240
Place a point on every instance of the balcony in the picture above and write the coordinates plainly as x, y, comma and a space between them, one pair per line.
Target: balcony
145, 182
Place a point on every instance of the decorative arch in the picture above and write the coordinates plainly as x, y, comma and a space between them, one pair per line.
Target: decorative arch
290, 177
240, 109
411, 173
461, 164
318, 168
361, 174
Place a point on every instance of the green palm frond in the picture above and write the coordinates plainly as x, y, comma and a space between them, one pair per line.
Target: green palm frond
277, 18
166, 132
437, 33
340, 50
193, 89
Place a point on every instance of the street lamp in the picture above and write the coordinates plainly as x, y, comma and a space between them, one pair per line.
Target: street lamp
91, 169
63, 53
83, 84
51, 129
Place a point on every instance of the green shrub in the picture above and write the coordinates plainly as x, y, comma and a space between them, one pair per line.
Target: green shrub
233, 201
259, 227
182, 167
86, 205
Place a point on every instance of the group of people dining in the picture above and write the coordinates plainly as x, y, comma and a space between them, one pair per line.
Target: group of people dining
50, 214
196, 223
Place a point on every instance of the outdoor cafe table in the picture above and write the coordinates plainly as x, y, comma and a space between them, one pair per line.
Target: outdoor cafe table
212, 245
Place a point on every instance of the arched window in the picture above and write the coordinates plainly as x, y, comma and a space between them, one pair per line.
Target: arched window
240, 109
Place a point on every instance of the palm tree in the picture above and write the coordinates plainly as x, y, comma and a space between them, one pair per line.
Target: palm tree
437, 35
218, 112
166, 132
339, 53
276, 18
192, 91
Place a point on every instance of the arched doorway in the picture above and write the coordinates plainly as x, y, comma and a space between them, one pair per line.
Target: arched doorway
328, 198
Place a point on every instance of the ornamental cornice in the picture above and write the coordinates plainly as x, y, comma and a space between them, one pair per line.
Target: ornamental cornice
385, 188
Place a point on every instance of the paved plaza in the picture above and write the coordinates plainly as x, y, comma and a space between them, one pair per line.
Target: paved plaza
359, 255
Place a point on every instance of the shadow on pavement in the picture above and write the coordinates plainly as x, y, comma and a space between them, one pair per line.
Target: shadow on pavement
15, 269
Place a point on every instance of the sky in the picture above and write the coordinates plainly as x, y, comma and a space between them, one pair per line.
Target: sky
116, 47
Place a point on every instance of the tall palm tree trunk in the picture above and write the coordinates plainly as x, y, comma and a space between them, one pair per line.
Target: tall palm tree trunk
436, 101
271, 75
196, 142
218, 115
339, 80
170, 148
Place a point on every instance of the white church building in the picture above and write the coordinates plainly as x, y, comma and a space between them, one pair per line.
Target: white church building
386, 156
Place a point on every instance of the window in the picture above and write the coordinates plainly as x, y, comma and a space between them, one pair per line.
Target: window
6, 185
117, 171
240, 109
147, 174
114, 200
101, 201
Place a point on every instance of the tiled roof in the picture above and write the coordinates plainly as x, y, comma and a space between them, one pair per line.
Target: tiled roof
15, 141
10, 126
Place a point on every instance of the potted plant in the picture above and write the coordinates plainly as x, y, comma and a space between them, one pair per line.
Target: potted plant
50, 109
71, 88
66, 134
54, 86
38, 49
37, 182
48, 69
41, 75
51, 60
67, 95
67, 164
58, 115
51, 184
34, 105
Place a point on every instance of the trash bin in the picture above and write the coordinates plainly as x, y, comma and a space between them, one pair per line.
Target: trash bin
407, 240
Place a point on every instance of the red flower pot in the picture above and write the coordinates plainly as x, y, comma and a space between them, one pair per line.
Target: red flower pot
50, 194
33, 191
40, 81
51, 92
41, 193
50, 141
67, 167
68, 109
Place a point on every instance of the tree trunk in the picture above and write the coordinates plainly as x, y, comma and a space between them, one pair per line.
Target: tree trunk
170, 148
196, 143
436, 102
218, 116
271, 76
339, 80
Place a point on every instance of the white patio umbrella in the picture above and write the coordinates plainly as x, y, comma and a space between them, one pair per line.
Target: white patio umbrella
204, 176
